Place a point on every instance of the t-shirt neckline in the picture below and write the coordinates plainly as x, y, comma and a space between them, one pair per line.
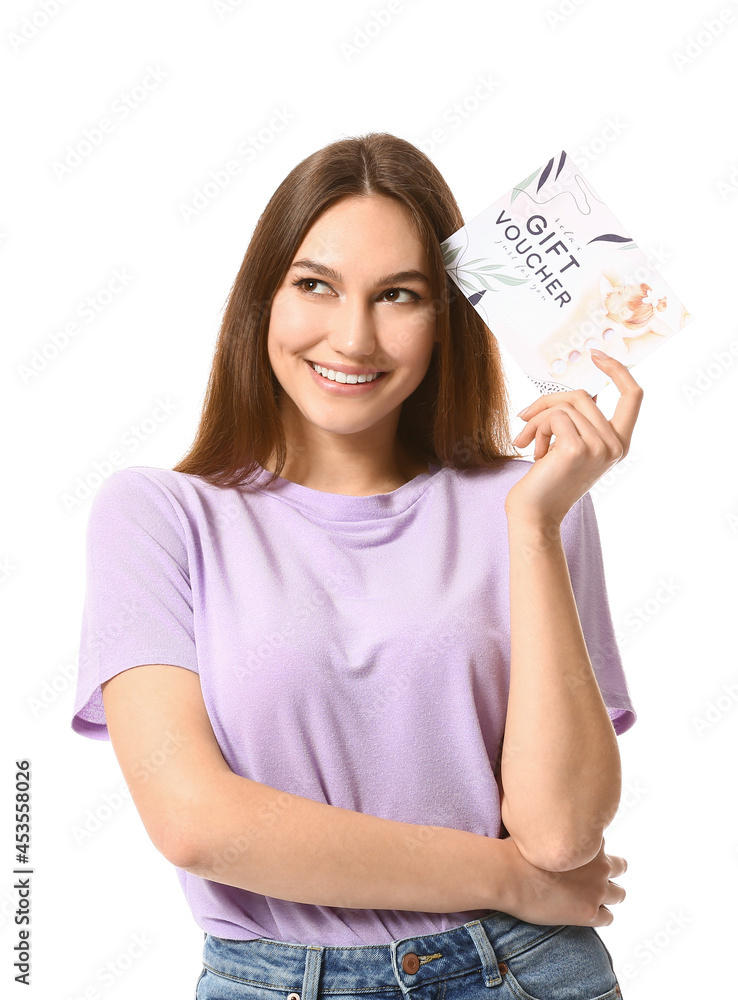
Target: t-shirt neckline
340, 506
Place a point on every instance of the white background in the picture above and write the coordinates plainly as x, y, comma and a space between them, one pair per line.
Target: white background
645, 94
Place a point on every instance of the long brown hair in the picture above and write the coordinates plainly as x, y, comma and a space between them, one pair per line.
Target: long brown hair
458, 415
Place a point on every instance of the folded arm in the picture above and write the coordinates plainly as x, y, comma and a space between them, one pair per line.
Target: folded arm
227, 828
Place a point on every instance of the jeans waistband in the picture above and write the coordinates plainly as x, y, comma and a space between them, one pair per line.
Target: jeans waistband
408, 963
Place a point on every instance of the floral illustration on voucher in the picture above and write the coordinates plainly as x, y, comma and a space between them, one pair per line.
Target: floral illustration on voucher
552, 273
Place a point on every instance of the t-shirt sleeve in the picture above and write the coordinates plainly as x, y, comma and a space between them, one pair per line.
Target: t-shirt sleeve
581, 539
138, 599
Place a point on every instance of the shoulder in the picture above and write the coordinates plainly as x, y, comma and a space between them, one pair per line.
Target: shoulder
147, 497
141, 482
142, 509
493, 483
137, 476
504, 470
495, 479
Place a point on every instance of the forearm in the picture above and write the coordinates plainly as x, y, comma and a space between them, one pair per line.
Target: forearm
290, 847
560, 763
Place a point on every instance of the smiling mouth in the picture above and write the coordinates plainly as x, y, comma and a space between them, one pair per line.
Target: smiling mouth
345, 378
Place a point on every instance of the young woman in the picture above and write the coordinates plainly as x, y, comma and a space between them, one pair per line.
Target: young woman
376, 690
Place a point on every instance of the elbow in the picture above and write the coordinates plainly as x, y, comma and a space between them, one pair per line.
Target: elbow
562, 849
181, 845
558, 850
185, 855
563, 855
562, 859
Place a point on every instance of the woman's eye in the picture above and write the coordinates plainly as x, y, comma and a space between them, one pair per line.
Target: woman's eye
406, 291
303, 282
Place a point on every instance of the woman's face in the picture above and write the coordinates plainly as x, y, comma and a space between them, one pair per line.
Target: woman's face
363, 315
616, 302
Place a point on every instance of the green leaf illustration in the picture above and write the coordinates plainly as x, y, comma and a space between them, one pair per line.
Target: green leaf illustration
449, 256
485, 283
521, 187
507, 280
482, 274
466, 284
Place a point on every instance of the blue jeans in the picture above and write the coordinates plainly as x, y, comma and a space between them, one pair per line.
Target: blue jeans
496, 957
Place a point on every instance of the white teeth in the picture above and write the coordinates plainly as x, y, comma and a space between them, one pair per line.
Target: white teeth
342, 377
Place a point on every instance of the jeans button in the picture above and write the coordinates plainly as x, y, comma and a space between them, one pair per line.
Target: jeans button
411, 962
294, 996
502, 967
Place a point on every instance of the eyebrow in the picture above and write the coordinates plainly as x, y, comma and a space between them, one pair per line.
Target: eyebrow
387, 279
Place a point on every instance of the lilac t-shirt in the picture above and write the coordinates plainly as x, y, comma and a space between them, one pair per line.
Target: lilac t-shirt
352, 650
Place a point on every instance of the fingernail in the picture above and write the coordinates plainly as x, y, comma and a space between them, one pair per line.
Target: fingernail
598, 354
523, 411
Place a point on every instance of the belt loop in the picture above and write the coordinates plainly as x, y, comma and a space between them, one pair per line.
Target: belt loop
483, 944
311, 979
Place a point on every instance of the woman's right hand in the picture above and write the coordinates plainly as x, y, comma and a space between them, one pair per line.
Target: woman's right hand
580, 896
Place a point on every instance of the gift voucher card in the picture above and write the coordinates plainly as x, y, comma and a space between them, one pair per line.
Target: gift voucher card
552, 273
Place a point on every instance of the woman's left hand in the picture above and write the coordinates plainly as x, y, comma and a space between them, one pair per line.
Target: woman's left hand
586, 445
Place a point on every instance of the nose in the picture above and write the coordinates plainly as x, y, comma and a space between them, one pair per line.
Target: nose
353, 332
